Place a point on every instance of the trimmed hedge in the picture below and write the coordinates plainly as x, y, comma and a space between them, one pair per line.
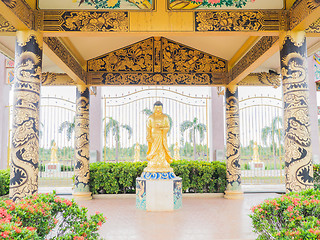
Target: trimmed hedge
4, 181
197, 176
316, 176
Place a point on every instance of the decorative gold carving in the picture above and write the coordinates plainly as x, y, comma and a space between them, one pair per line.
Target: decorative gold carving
22, 10
245, 21
25, 138
5, 26
137, 57
177, 57
297, 140
157, 55
203, 79
255, 52
233, 139
314, 27
56, 79
82, 140
261, 79
86, 21
62, 52
300, 10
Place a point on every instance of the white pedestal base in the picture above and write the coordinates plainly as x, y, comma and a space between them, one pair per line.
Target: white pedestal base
53, 167
159, 195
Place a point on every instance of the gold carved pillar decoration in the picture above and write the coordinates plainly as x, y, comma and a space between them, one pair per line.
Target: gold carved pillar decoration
25, 125
233, 144
297, 140
81, 189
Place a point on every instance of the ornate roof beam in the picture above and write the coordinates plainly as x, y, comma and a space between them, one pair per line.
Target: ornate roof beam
261, 79
5, 26
18, 13
303, 13
268, 22
165, 79
61, 56
260, 52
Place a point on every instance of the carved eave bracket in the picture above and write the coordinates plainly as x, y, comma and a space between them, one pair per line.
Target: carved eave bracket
56, 79
5, 26
261, 79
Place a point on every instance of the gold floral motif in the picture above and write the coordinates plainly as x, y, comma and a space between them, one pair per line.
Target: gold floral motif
238, 20
86, 21
297, 141
177, 57
157, 55
100, 79
137, 57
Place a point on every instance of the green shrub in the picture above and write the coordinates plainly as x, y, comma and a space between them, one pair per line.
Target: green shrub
46, 216
291, 216
316, 176
4, 181
197, 176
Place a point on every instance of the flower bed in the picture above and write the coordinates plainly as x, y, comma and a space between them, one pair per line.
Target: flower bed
197, 176
291, 216
46, 216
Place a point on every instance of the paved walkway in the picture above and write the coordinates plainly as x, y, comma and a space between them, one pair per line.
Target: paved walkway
199, 219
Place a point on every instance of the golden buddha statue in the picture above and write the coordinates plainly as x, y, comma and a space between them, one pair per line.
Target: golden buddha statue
176, 150
54, 150
136, 153
158, 154
255, 157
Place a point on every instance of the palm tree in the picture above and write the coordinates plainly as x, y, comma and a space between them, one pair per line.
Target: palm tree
70, 126
114, 127
273, 133
149, 112
193, 126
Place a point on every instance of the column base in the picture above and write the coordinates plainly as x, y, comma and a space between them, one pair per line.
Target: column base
233, 195
82, 195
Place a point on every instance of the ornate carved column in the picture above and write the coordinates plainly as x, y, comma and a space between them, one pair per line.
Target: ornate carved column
233, 144
81, 183
297, 140
25, 128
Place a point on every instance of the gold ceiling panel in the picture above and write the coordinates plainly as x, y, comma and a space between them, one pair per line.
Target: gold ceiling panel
5, 26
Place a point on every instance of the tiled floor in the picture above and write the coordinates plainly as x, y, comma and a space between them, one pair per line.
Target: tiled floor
199, 219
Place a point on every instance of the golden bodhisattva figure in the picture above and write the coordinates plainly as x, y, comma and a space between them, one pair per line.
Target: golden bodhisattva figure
255, 156
54, 150
158, 154
136, 153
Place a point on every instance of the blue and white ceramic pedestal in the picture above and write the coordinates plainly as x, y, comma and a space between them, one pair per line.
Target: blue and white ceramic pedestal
158, 192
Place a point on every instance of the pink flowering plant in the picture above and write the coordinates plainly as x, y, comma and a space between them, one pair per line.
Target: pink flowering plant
291, 216
47, 216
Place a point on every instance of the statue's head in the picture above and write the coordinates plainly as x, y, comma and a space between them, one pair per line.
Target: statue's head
157, 107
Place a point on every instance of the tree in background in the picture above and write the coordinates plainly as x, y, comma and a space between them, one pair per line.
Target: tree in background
70, 126
113, 126
193, 127
273, 134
